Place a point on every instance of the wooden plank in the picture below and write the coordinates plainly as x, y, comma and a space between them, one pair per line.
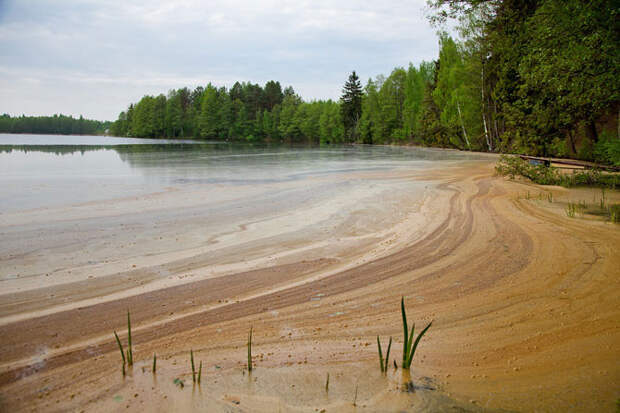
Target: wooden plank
572, 162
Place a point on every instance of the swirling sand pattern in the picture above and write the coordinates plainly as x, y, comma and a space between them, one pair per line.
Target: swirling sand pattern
524, 302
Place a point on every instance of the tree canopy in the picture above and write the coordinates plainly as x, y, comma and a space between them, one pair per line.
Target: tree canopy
351, 106
529, 76
56, 125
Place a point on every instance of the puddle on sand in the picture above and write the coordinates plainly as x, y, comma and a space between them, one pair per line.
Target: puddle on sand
281, 389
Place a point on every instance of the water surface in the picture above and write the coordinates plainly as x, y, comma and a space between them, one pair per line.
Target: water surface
51, 170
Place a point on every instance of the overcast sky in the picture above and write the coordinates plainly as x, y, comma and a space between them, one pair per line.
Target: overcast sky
95, 57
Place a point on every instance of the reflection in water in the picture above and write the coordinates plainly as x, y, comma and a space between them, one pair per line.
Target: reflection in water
38, 175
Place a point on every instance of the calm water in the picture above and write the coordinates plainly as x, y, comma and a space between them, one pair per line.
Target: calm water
50, 170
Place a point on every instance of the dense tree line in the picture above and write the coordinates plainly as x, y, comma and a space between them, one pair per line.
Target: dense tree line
245, 111
529, 76
57, 124
532, 76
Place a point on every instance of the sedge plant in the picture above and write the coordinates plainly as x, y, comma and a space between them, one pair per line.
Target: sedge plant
410, 346
383, 363
127, 355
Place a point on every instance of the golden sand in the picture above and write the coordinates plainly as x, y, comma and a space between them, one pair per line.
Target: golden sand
524, 303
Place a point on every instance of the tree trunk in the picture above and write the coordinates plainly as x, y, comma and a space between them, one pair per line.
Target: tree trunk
571, 140
591, 131
458, 107
484, 120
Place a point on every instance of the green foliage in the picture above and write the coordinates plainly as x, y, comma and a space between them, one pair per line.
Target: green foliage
383, 363
55, 125
127, 356
573, 208
513, 166
191, 358
409, 346
556, 91
614, 213
392, 107
450, 93
531, 77
607, 149
120, 347
351, 106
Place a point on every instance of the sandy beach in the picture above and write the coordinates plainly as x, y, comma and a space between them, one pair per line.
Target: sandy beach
524, 300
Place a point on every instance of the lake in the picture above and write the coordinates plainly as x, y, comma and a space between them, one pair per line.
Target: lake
78, 207
51, 170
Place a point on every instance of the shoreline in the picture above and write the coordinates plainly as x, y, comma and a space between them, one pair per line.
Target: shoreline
518, 292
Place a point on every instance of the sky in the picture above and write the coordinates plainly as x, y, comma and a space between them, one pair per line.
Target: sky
93, 58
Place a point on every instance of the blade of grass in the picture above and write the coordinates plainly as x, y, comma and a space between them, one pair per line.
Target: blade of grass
405, 328
199, 371
191, 357
327, 383
120, 347
409, 343
154, 362
387, 355
130, 355
250, 350
417, 340
380, 355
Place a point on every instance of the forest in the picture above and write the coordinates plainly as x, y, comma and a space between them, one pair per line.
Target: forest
538, 77
54, 125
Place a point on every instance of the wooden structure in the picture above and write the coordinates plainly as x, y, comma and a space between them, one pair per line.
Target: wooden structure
568, 163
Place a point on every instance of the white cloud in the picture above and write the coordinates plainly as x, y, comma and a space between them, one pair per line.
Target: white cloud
95, 57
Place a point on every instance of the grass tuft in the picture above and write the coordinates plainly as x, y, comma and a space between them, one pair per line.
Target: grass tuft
383, 363
613, 212
571, 209
409, 346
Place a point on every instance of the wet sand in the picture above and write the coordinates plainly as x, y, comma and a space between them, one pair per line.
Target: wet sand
523, 298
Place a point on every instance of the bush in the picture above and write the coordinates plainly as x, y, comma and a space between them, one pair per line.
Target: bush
607, 149
513, 166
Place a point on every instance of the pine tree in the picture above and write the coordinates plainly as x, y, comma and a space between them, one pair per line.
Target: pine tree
351, 106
